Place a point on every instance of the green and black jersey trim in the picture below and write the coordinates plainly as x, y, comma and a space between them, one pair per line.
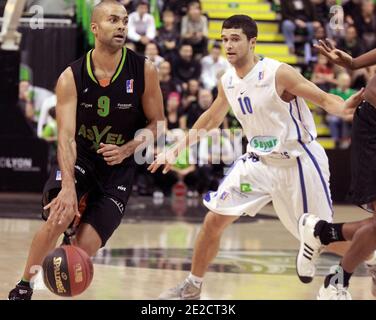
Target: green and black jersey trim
118, 70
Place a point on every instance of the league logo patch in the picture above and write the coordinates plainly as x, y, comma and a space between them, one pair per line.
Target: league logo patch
58, 175
129, 86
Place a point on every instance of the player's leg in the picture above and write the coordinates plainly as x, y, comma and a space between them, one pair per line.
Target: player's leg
239, 193
44, 241
88, 239
207, 242
46, 237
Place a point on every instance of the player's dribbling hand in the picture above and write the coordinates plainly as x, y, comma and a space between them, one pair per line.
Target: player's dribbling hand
114, 154
334, 55
351, 104
166, 158
64, 207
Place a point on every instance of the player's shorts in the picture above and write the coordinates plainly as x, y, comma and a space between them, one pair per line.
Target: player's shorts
295, 186
363, 157
107, 194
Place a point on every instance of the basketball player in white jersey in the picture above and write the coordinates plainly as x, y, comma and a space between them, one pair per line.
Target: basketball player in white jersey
283, 164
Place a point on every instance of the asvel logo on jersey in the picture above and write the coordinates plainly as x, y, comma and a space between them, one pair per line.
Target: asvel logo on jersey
130, 86
264, 143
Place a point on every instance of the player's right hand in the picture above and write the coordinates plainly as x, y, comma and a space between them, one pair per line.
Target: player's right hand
166, 158
334, 55
64, 207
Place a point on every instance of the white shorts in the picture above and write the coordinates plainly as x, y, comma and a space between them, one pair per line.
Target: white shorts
295, 186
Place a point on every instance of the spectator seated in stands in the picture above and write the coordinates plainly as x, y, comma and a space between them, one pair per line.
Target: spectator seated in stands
168, 36
174, 112
167, 83
191, 94
185, 67
184, 169
195, 109
194, 29
298, 15
141, 26
212, 66
351, 43
323, 74
366, 24
152, 53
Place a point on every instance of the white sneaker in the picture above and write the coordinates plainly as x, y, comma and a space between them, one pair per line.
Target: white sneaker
337, 292
309, 250
185, 290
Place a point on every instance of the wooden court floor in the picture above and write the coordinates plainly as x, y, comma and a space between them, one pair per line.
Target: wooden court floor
143, 258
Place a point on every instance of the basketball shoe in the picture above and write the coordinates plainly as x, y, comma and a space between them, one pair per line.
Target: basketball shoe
183, 291
334, 292
310, 247
20, 293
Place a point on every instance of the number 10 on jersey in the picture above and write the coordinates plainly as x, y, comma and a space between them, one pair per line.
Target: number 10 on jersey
245, 105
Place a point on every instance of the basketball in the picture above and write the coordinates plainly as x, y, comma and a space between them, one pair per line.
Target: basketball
67, 271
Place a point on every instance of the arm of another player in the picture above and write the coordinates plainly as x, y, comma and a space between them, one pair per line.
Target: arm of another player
343, 59
152, 103
210, 119
64, 207
290, 80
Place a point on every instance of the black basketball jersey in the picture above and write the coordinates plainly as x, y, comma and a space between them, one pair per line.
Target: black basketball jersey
111, 114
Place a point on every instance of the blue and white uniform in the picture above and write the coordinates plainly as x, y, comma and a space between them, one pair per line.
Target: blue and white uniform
283, 164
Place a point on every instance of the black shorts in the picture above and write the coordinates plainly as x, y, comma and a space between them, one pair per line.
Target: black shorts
107, 192
363, 157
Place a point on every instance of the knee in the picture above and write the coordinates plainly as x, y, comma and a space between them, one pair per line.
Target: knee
214, 224
89, 245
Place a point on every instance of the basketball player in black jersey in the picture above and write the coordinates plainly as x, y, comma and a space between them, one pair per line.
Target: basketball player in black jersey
102, 100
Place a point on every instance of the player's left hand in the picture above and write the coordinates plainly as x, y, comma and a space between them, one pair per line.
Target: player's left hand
351, 104
114, 154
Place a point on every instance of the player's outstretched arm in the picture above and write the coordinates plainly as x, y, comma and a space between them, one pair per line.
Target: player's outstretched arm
64, 207
210, 119
343, 59
290, 80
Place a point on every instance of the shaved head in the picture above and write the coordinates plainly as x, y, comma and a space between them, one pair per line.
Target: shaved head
101, 8
109, 24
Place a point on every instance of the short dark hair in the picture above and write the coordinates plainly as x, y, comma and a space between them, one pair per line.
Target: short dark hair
241, 21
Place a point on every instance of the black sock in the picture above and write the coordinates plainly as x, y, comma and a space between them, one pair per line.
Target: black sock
329, 232
341, 276
24, 283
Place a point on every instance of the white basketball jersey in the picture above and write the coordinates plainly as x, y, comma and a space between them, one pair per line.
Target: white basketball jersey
272, 126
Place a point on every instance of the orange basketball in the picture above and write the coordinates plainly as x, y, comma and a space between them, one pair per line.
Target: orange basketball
67, 271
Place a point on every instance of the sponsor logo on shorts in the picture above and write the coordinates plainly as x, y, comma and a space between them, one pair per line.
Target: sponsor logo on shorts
82, 170
118, 204
122, 188
245, 187
238, 193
